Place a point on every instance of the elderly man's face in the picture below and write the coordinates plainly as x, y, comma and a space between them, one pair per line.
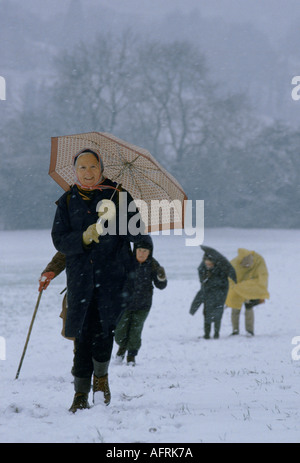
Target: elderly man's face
88, 170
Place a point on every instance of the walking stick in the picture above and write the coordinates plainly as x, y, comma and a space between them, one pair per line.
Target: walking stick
29, 332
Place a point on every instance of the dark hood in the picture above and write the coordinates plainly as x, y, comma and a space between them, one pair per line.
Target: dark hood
146, 243
219, 260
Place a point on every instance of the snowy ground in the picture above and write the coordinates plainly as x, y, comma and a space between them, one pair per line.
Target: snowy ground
184, 389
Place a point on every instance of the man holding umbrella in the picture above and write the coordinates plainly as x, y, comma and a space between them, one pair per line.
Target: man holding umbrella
95, 271
213, 271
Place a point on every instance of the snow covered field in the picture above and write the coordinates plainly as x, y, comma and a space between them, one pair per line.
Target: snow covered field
184, 389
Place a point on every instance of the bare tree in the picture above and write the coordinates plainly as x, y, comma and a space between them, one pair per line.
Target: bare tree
91, 89
171, 97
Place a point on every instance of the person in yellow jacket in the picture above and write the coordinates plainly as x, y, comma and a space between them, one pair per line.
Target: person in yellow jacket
251, 288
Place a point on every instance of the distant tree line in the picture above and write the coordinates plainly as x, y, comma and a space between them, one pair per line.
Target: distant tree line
163, 98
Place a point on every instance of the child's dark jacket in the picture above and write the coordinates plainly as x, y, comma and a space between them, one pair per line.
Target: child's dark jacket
143, 278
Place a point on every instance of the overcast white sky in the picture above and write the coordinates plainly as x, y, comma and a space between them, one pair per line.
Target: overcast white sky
267, 14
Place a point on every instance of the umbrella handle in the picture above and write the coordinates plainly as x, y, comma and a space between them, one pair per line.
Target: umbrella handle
112, 213
114, 191
29, 332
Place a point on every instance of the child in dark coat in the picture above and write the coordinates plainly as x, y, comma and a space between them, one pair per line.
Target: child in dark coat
146, 271
213, 271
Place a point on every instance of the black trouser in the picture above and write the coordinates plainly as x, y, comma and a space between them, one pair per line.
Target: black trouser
217, 326
92, 345
211, 317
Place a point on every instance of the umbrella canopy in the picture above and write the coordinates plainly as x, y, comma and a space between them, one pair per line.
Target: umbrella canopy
221, 260
158, 195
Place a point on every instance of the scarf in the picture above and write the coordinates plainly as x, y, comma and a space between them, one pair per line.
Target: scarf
87, 193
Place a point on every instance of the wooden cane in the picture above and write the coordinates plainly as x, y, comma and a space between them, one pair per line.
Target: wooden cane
29, 332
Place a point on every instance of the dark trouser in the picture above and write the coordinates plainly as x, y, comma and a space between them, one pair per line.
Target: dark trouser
207, 328
128, 334
92, 352
210, 318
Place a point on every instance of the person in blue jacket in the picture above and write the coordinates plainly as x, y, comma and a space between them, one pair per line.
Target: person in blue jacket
146, 272
96, 273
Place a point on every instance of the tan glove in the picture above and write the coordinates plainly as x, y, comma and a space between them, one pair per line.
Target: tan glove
106, 209
91, 234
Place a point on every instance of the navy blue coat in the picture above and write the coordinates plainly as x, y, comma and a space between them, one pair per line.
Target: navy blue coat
143, 278
213, 292
97, 271
214, 284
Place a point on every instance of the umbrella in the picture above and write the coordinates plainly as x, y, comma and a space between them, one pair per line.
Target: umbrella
158, 195
221, 260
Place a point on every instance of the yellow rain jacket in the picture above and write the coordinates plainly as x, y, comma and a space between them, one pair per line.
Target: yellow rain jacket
252, 281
